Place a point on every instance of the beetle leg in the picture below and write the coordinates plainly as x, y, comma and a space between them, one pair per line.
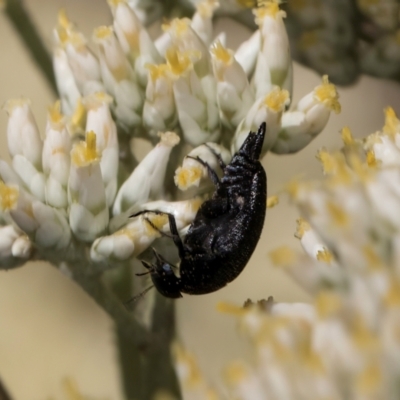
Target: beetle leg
217, 156
172, 227
211, 173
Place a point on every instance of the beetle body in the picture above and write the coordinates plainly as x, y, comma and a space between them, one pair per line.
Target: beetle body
225, 231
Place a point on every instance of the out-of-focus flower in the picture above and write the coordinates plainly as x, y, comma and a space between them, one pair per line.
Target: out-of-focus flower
345, 343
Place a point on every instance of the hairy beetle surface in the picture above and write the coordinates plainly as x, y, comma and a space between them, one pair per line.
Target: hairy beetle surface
225, 231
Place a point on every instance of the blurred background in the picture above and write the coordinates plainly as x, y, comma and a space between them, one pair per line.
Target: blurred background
50, 330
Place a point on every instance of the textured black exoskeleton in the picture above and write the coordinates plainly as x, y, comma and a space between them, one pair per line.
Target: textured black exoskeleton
226, 228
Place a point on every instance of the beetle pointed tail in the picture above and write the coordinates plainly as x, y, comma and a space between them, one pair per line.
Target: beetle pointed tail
253, 144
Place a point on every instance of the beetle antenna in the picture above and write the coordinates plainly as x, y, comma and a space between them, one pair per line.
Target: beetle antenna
134, 299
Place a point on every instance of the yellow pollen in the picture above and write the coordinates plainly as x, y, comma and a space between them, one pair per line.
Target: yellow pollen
272, 201
277, 99
180, 62
158, 221
327, 94
328, 162
371, 160
169, 138
347, 137
364, 338
283, 256
85, 152
178, 26
302, 227
55, 115
268, 8
11, 104
392, 123
8, 196
157, 71
325, 256
337, 213
186, 177
327, 304
103, 32
78, 118
221, 53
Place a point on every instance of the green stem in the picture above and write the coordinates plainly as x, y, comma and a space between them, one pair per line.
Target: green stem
4, 395
23, 24
145, 359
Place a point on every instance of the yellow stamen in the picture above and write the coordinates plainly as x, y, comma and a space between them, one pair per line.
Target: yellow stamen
103, 32
78, 118
180, 62
206, 8
372, 162
302, 227
170, 139
392, 296
325, 256
62, 19
328, 162
268, 8
85, 152
327, 304
221, 53
347, 137
157, 71
277, 99
186, 360
363, 336
272, 201
186, 177
178, 26
392, 123
337, 213
55, 115
327, 94
283, 256
11, 104
8, 196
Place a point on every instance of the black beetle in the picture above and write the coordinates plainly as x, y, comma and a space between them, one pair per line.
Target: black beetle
225, 231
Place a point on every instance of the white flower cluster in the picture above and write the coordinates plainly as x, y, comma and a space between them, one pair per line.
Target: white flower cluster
346, 343
64, 199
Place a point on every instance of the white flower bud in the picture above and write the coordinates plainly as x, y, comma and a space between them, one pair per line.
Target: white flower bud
146, 182
159, 111
65, 80
56, 158
46, 226
82, 62
308, 119
15, 247
134, 39
138, 234
191, 173
119, 79
274, 64
88, 213
202, 20
234, 94
185, 40
25, 146
99, 120
246, 54
195, 98
267, 109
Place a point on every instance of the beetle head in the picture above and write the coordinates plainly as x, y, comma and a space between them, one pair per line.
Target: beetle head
163, 277
252, 146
